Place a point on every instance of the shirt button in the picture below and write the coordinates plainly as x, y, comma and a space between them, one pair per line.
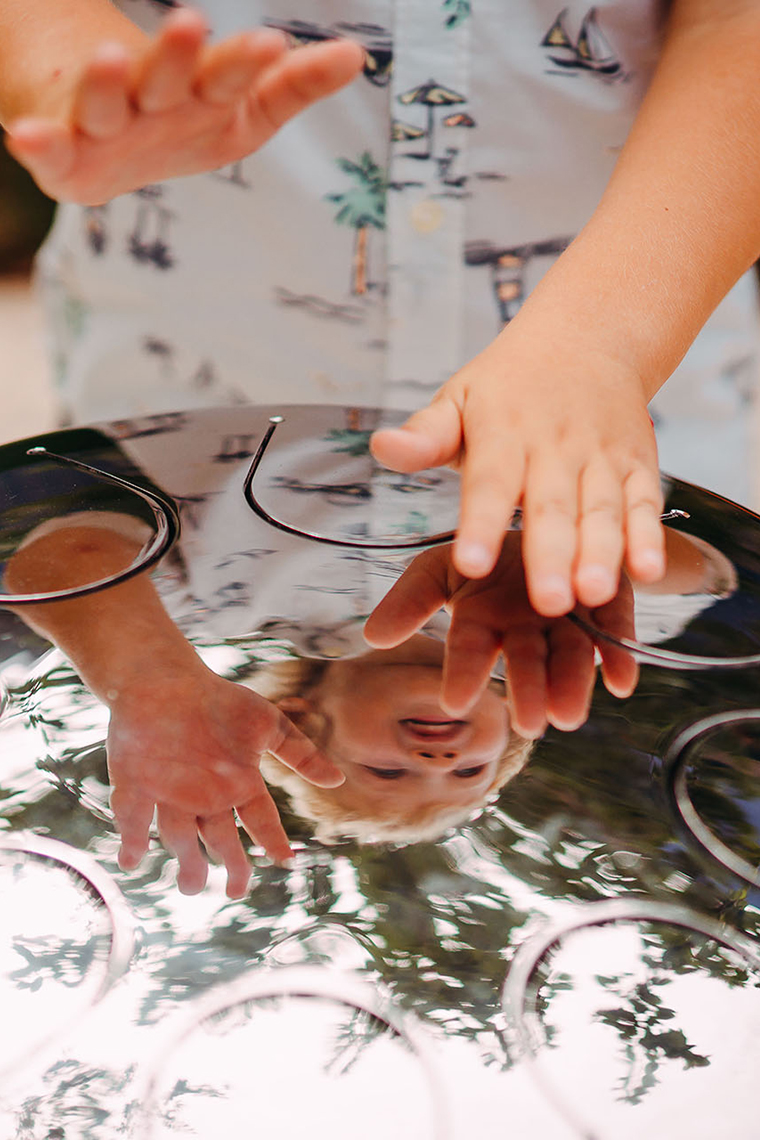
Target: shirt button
427, 216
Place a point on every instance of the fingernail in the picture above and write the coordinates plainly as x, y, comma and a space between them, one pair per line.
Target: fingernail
554, 591
651, 563
597, 578
473, 559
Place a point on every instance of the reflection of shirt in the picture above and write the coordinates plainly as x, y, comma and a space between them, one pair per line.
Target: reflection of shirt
242, 575
384, 237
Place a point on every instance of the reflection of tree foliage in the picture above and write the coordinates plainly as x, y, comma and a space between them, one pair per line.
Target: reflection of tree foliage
723, 785
352, 1037
78, 1101
63, 960
641, 1017
585, 821
173, 1106
352, 441
646, 1044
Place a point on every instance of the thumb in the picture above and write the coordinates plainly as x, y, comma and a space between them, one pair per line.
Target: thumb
431, 437
44, 148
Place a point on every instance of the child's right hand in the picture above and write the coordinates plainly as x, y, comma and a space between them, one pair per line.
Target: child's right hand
187, 744
550, 662
171, 106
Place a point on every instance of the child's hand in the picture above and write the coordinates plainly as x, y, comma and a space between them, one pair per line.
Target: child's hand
549, 661
565, 434
190, 747
154, 109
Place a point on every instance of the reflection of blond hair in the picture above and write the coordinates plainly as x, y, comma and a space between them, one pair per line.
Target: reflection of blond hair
333, 815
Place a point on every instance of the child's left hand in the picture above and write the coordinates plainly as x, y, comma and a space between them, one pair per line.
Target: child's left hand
190, 745
550, 662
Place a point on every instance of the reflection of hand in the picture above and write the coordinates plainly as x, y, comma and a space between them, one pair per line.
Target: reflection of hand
181, 739
137, 110
544, 424
190, 745
549, 661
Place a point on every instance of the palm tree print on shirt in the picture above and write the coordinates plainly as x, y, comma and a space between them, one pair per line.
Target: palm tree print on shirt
361, 206
456, 12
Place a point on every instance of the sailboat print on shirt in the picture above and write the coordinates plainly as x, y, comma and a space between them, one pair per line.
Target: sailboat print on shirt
590, 52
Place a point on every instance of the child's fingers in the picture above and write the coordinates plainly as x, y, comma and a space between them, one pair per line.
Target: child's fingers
101, 107
550, 535
620, 670
229, 68
645, 537
134, 815
471, 652
220, 835
260, 818
600, 537
491, 484
416, 596
179, 835
46, 149
164, 77
295, 750
305, 75
431, 437
570, 675
525, 653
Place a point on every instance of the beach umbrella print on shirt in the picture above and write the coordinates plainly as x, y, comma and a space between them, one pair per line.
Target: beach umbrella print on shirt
459, 119
402, 132
430, 95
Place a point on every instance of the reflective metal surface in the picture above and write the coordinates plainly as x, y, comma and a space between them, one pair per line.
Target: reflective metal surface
561, 951
34, 492
622, 1012
66, 939
706, 611
343, 1039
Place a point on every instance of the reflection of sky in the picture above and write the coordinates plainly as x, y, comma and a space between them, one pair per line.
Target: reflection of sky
286, 1069
592, 1067
54, 940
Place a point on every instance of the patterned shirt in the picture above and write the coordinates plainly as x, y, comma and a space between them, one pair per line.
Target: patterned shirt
386, 235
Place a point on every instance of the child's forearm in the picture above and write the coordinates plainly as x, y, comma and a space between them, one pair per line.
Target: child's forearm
43, 46
680, 220
115, 637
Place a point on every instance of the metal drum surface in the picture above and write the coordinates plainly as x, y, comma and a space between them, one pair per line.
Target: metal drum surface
572, 951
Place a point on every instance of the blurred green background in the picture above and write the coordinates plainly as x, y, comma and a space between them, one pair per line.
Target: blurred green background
25, 215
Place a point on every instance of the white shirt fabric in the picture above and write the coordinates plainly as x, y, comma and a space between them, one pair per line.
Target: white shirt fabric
383, 238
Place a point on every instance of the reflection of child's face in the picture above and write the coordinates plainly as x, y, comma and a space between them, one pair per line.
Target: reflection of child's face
395, 743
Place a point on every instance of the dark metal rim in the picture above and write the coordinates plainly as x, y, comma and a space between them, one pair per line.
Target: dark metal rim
677, 762
667, 658
408, 544
167, 532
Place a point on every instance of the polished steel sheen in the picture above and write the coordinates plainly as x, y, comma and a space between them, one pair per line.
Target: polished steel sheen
579, 959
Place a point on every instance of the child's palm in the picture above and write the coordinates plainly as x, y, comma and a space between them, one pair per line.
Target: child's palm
181, 108
190, 748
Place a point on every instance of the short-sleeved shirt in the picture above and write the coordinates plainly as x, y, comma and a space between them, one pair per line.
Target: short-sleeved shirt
387, 234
